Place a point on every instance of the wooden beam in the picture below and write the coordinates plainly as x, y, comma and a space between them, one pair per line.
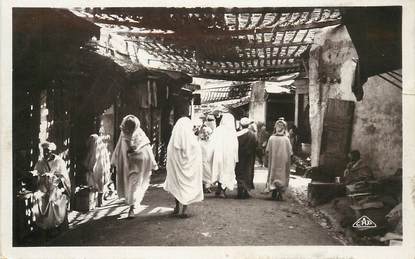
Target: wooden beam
279, 49
286, 21
260, 21
277, 16
292, 39
248, 76
226, 34
258, 67
248, 23
141, 11
290, 21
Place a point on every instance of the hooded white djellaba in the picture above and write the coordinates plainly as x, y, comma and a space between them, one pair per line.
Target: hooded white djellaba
184, 164
134, 160
225, 152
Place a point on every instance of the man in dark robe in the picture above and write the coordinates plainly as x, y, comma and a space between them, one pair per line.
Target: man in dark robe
263, 137
246, 153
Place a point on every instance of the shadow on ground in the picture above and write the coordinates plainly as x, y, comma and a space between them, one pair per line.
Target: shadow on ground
214, 222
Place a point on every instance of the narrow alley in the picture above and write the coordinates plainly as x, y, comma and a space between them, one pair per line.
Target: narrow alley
212, 222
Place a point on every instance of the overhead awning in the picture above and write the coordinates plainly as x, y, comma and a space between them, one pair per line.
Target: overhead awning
225, 93
239, 103
236, 44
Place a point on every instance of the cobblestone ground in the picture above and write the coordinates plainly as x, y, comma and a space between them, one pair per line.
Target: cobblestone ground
213, 222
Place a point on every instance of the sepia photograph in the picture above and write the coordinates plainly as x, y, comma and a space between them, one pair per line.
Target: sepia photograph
207, 126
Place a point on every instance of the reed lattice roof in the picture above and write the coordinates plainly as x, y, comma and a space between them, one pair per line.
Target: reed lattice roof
224, 93
243, 44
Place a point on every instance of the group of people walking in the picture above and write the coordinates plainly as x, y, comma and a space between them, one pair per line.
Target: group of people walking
219, 155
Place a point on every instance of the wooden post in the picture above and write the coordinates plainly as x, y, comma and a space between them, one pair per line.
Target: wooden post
296, 110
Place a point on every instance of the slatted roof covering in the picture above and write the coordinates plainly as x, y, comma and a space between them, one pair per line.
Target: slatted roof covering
243, 44
224, 93
239, 103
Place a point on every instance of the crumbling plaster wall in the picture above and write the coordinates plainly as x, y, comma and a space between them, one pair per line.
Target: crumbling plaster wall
331, 75
377, 126
377, 123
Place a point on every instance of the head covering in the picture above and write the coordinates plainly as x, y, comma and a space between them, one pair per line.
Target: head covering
129, 123
283, 129
225, 152
245, 122
138, 137
49, 145
182, 134
228, 121
184, 164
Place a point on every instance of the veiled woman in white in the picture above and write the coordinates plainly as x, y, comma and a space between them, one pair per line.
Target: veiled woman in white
225, 154
134, 162
97, 163
184, 167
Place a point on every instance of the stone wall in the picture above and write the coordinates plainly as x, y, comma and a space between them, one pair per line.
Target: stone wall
377, 126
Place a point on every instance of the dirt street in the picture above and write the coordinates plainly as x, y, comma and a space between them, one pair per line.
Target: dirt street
213, 222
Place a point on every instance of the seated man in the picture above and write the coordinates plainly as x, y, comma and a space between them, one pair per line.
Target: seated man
53, 191
356, 170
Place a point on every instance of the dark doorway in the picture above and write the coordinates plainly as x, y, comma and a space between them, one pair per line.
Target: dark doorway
280, 105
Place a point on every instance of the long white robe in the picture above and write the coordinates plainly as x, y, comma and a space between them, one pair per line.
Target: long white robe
184, 164
134, 162
279, 160
97, 163
225, 152
51, 202
207, 155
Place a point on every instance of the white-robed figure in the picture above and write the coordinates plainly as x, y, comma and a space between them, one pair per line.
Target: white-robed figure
184, 167
225, 154
279, 153
207, 154
54, 189
134, 161
97, 163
